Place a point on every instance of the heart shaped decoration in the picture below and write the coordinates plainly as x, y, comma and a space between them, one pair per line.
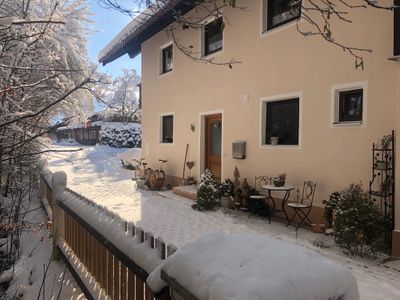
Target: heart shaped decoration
190, 164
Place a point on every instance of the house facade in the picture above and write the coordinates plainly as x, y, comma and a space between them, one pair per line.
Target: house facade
298, 103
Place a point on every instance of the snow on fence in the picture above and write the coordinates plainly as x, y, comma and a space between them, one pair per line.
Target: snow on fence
109, 258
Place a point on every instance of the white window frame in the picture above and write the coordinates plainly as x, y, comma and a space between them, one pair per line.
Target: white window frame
263, 119
160, 59
202, 39
335, 91
160, 139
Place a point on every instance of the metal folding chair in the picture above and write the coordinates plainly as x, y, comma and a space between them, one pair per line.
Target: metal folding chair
303, 208
258, 203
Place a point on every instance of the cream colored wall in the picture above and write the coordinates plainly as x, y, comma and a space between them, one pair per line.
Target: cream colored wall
279, 62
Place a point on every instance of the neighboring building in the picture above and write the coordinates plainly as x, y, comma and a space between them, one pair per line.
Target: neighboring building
108, 130
84, 133
307, 92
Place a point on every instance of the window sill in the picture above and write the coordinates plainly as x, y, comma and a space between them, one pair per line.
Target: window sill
267, 32
394, 58
165, 73
349, 124
162, 143
212, 54
279, 147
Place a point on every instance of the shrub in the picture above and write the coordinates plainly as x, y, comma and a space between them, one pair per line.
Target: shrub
206, 192
129, 165
121, 137
359, 226
330, 205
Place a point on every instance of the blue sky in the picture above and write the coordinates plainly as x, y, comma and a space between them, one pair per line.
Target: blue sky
108, 24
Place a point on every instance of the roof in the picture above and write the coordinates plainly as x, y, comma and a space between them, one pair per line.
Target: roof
144, 26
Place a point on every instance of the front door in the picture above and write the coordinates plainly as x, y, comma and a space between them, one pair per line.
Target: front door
213, 143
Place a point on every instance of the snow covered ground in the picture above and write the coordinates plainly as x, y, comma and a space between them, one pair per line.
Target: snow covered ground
96, 173
35, 261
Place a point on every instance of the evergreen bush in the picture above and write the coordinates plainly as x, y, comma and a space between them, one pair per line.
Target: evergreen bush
206, 192
359, 226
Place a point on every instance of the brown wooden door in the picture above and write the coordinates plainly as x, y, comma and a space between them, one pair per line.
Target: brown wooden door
213, 145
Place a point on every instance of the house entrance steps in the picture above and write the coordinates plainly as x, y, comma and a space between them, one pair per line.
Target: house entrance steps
187, 191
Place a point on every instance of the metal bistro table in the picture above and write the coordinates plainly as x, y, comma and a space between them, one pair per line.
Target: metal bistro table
284, 189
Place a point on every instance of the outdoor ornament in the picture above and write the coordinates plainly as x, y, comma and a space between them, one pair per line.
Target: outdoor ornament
236, 183
190, 165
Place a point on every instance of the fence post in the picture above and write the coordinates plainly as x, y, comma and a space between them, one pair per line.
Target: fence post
59, 183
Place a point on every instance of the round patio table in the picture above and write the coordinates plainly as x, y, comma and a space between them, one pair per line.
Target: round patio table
283, 189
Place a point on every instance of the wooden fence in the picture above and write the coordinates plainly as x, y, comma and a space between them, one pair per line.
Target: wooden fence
113, 273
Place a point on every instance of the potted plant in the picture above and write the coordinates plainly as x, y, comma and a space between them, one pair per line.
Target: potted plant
386, 141
141, 181
190, 180
381, 165
274, 139
280, 180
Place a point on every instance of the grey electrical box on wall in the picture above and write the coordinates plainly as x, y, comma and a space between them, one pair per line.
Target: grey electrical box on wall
239, 150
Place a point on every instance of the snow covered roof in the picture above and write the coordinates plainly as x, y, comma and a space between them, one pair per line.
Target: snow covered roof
144, 26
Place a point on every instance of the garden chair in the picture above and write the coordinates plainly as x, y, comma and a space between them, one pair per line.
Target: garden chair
258, 204
303, 208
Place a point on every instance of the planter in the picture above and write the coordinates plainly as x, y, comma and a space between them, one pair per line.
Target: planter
279, 182
318, 228
140, 183
274, 140
381, 165
156, 179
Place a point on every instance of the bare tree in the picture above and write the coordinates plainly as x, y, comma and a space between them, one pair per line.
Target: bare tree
315, 18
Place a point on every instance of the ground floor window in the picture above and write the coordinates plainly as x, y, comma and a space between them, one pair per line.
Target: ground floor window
167, 129
281, 121
349, 104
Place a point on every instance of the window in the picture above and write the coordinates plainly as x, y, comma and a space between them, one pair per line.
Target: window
282, 122
280, 12
396, 50
350, 105
167, 129
139, 85
213, 36
166, 59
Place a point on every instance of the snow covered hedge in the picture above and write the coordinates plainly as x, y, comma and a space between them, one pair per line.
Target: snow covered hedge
221, 266
121, 136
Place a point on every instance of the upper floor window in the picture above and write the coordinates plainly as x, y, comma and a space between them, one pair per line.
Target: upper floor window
396, 50
280, 12
166, 59
213, 34
139, 85
349, 104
